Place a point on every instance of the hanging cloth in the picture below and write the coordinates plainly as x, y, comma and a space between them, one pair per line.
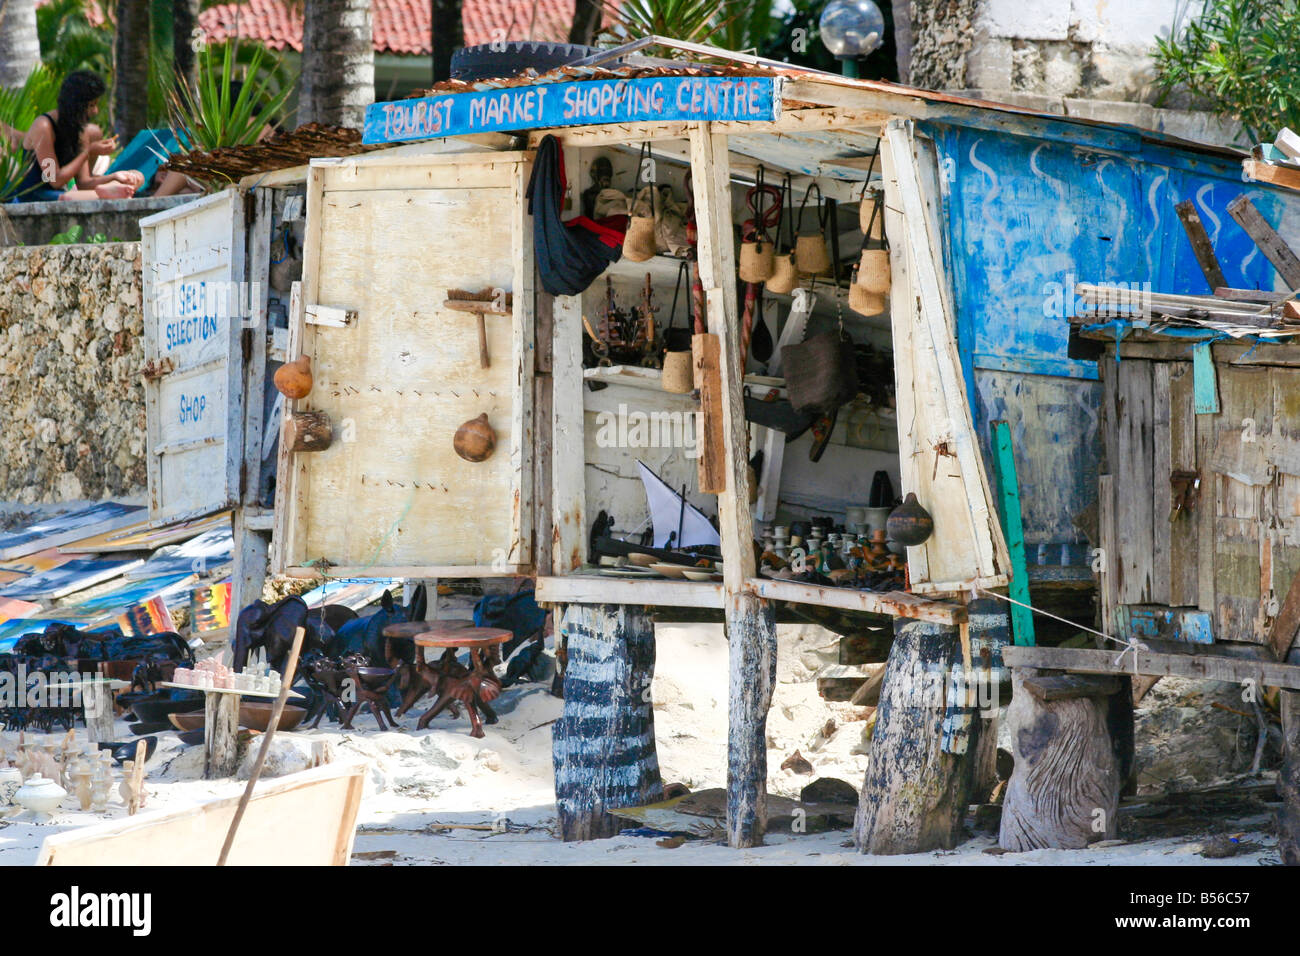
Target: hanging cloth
570, 255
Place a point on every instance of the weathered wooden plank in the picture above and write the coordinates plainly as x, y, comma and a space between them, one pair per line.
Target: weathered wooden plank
1205, 385
706, 353
1268, 173
1068, 686
1107, 562
1202, 248
591, 589
1133, 479
1162, 492
893, 603
1004, 464
1184, 529
603, 744
1203, 666
1274, 247
938, 447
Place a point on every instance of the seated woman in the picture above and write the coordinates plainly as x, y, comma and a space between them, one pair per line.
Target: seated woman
63, 146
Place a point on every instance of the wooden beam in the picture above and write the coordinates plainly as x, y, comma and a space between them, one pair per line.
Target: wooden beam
594, 589
1202, 248
1265, 236
893, 603
1205, 666
1268, 173
1069, 686
790, 121
1004, 467
751, 627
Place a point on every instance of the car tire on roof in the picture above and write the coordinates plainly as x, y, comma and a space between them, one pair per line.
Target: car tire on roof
488, 61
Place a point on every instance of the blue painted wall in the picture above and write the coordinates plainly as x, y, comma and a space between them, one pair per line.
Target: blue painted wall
1027, 216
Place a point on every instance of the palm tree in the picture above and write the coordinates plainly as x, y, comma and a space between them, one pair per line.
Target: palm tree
131, 69
338, 63
20, 49
586, 21
185, 18
448, 36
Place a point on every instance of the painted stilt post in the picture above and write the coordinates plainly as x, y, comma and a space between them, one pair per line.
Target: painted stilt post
919, 776
1004, 465
603, 745
750, 621
1288, 817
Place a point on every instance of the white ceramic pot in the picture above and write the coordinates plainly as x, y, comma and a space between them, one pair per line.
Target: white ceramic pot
11, 781
41, 796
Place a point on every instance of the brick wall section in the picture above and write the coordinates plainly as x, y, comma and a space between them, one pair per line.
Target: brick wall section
72, 421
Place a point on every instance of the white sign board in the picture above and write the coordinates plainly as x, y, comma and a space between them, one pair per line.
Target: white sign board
195, 301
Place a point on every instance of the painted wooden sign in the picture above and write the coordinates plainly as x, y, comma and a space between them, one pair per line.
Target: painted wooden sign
664, 98
195, 303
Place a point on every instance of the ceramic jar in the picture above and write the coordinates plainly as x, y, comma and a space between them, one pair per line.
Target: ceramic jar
41, 796
11, 781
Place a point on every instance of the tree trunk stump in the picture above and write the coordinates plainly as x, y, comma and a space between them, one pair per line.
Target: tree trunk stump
1064, 790
916, 792
603, 744
1288, 781
220, 737
751, 649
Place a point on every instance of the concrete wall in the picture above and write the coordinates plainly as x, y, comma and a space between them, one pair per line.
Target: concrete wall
72, 421
1086, 58
35, 223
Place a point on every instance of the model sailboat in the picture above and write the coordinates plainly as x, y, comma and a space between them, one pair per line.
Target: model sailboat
677, 523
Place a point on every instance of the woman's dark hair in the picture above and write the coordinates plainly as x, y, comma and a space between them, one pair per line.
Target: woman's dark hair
79, 90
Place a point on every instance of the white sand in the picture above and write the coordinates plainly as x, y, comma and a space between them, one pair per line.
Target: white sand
443, 776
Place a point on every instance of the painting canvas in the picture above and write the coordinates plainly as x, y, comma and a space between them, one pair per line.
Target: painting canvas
70, 526
76, 575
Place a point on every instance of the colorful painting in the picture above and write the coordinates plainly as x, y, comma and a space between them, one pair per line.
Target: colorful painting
208, 554
25, 567
77, 575
141, 537
149, 617
11, 609
210, 608
353, 594
66, 528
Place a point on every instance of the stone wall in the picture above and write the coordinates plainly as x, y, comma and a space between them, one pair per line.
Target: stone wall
72, 421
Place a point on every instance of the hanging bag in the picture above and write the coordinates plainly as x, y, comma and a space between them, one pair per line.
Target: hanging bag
871, 275
873, 227
821, 372
784, 275
756, 249
639, 243
679, 370
810, 256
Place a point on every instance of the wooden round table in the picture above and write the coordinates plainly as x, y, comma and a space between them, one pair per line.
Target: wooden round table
406, 630
452, 682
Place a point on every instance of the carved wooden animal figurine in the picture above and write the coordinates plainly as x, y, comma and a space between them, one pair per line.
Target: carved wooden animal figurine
325, 677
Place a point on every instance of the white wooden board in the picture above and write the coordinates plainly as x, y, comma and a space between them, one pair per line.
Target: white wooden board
193, 264
389, 497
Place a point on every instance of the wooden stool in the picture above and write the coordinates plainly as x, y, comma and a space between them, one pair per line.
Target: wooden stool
452, 682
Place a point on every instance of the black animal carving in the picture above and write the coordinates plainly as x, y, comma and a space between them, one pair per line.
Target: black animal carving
365, 635
272, 626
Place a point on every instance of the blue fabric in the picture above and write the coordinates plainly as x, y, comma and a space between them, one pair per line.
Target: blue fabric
146, 152
517, 613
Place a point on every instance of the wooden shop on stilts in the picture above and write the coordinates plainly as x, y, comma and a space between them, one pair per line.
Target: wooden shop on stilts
674, 338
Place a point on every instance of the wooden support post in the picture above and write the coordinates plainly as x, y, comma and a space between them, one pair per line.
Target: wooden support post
1004, 467
915, 794
1288, 781
251, 545
1064, 790
603, 744
220, 737
750, 621
97, 706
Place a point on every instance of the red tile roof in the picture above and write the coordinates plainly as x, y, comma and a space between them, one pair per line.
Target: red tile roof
400, 26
